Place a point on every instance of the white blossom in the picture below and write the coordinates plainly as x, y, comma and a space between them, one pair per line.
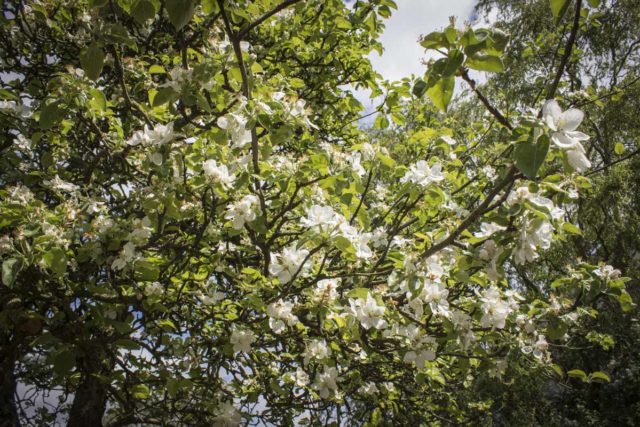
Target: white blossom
242, 211
316, 349
368, 312
563, 124
326, 290
236, 126
326, 382
320, 216
286, 265
495, 309
219, 174
423, 174
227, 416
607, 272
241, 339
280, 315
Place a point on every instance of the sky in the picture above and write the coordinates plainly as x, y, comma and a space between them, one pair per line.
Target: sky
403, 54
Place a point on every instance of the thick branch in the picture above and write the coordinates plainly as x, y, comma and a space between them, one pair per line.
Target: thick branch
242, 33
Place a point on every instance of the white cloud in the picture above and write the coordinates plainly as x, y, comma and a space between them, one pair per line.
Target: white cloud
402, 54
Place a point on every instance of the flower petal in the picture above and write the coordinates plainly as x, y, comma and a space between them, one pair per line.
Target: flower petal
563, 140
551, 113
578, 135
570, 119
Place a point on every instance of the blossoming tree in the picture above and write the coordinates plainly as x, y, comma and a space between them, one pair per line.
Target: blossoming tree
195, 230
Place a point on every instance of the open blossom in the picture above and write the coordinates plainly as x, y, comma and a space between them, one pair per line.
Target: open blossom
154, 288
326, 381
326, 290
368, 312
300, 378
320, 216
369, 388
280, 315
141, 231
241, 340
236, 126
127, 255
435, 295
564, 125
495, 309
357, 167
534, 233
159, 135
287, 264
316, 349
423, 174
522, 195
227, 416
425, 351
62, 185
219, 174
180, 77
379, 237
607, 272
242, 211
578, 159
488, 229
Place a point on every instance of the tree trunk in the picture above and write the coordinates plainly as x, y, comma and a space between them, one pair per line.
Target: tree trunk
8, 410
90, 399
89, 404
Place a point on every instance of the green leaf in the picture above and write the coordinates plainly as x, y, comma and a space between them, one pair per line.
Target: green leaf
64, 361
142, 11
98, 100
180, 12
358, 293
558, 9
173, 386
434, 40
571, 229
529, 157
577, 373
557, 369
453, 62
56, 260
92, 61
50, 115
381, 121
157, 69
385, 160
209, 6
419, 88
97, 3
140, 391
625, 301
600, 376
442, 92
488, 63
146, 271
619, 148
10, 269
164, 95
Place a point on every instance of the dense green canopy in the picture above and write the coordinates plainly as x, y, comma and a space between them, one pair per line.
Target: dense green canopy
196, 230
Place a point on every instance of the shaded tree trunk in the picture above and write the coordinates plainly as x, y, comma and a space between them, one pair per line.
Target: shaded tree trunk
8, 409
90, 401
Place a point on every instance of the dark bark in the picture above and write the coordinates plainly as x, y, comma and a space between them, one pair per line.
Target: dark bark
8, 409
90, 399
